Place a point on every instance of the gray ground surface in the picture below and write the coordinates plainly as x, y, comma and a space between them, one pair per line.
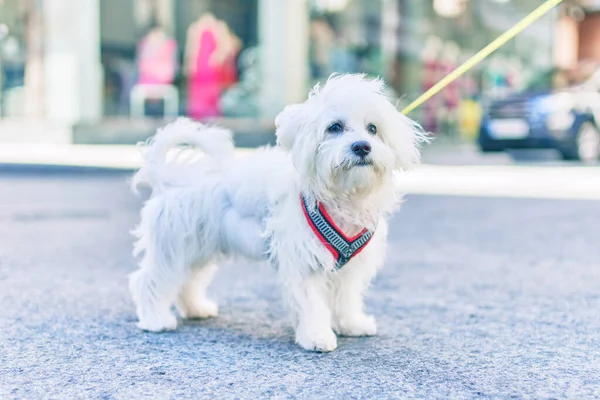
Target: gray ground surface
480, 298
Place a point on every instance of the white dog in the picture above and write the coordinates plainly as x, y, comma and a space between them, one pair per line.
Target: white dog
315, 206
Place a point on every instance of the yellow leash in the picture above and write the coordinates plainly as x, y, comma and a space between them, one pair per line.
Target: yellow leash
483, 53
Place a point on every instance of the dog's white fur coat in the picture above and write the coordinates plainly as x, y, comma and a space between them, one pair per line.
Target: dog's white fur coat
221, 206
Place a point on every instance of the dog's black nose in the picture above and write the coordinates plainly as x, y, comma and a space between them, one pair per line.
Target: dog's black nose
361, 148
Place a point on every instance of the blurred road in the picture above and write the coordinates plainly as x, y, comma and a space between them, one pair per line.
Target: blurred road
481, 297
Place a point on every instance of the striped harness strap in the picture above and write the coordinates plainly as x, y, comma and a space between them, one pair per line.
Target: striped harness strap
341, 246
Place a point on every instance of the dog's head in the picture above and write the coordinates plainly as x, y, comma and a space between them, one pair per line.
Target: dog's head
348, 137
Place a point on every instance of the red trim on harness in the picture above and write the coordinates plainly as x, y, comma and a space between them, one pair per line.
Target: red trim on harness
322, 239
337, 228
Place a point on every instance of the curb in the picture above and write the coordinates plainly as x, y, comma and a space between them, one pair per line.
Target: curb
60, 169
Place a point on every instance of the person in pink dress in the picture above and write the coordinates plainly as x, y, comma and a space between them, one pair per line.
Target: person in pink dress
210, 47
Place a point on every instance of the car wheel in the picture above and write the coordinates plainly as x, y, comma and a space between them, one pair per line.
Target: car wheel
490, 150
585, 146
487, 148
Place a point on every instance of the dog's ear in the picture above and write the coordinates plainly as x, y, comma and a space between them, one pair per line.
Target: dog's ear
407, 140
288, 125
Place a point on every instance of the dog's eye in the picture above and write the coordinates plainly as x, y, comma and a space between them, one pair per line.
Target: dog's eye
336, 127
372, 129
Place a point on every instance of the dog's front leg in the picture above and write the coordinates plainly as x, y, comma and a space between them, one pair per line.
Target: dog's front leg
351, 283
306, 296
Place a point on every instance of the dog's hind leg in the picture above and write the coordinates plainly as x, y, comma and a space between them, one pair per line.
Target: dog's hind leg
154, 292
193, 301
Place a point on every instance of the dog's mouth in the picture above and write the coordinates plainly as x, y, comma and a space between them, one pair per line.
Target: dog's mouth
355, 163
362, 162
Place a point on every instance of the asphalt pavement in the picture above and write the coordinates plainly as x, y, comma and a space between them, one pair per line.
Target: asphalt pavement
481, 297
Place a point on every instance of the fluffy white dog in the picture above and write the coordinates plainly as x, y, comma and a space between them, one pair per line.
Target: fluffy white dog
315, 207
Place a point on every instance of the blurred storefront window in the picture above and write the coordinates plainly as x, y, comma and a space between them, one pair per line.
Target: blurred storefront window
202, 50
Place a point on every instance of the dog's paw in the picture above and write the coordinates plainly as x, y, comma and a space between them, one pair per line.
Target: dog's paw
323, 341
158, 323
204, 308
359, 325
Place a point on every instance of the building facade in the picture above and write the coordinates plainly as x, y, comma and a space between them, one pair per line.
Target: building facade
248, 58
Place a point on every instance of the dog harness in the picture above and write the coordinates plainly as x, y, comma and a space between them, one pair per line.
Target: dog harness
339, 244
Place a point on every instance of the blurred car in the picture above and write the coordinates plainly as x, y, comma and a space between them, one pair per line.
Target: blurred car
565, 118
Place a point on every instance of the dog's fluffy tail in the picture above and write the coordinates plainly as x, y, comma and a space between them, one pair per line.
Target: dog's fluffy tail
213, 141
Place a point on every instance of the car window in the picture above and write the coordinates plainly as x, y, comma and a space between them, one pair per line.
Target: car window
544, 80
